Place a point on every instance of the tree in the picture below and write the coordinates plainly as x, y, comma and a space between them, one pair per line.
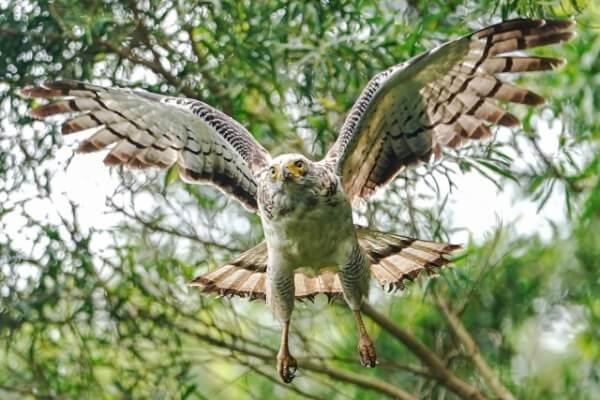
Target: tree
101, 308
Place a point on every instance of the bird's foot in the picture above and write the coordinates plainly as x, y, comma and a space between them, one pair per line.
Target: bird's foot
286, 367
366, 351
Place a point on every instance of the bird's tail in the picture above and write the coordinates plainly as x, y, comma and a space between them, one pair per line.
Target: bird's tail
394, 260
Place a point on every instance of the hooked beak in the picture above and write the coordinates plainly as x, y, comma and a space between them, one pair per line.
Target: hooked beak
290, 170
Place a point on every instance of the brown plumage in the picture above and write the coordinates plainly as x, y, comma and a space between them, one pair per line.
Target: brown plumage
442, 97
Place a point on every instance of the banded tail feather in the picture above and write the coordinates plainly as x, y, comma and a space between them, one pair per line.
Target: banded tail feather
251, 264
394, 260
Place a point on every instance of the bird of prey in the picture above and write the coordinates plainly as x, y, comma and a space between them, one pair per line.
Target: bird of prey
405, 114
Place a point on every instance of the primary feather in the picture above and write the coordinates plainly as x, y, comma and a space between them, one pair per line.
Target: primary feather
151, 130
442, 97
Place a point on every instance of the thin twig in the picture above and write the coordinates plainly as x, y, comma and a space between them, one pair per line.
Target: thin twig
155, 227
362, 380
436, 366
274, 381
472, 349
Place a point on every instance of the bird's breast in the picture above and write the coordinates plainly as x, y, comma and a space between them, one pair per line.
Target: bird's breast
310, 234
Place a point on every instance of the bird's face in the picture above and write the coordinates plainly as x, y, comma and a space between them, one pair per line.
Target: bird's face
291, 182
290, 170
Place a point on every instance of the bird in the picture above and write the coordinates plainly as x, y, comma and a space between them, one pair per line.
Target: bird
406, 115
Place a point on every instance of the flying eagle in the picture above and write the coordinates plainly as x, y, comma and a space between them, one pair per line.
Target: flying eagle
405, 114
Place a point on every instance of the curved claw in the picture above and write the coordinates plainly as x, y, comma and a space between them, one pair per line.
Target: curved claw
286, 367
368, 356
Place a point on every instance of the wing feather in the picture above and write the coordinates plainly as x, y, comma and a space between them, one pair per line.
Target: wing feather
150, 130
443, 97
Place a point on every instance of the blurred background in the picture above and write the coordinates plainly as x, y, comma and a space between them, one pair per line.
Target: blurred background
94, 263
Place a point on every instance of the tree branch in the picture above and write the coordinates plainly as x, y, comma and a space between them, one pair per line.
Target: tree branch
340, 375
358, 379
274, 381
155, 66
436, 366
155, 227
472, 349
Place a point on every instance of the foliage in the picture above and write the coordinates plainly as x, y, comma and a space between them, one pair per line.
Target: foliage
101, 309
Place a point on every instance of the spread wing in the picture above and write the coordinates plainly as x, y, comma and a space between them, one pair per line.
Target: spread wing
440, 98
150, 130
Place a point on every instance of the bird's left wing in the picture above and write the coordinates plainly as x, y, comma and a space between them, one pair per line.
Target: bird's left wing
151, 130
440, 98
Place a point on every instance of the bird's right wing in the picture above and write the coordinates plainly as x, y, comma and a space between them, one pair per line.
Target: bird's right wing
151, 130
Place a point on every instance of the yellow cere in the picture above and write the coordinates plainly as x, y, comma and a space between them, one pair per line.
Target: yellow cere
295, 168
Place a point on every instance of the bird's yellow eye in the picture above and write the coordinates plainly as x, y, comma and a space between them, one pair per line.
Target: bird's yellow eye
299, 164
273, 172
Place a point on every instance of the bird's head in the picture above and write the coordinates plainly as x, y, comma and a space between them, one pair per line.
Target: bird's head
290, 170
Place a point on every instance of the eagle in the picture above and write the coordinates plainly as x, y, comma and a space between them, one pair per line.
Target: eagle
404, 116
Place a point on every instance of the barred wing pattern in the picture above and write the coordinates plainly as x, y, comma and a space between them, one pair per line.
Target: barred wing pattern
151, 130
440, 98
394, 260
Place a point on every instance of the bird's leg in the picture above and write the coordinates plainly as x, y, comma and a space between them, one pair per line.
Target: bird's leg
280, 297
354, 277
366, 350
286, 364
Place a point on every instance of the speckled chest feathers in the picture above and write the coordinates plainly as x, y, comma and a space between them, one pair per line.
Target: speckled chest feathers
307, 219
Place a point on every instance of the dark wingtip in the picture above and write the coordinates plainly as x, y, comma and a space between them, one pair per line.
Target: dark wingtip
560, 24
111, 160
70, 127
38, 91
58, 88
25, 92
534, 99
38, 112
198, 281
555, 63
508, 120
63, 85
565, 36
54, 109
87, 147
450, 248
136, 163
